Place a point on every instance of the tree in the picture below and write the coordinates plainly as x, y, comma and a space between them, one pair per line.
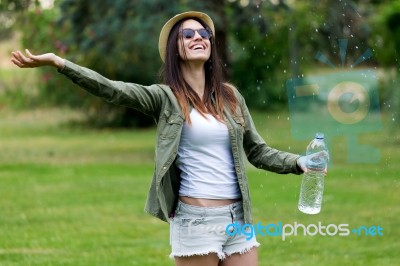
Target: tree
262, 43
386, 43
118, 39
9, 10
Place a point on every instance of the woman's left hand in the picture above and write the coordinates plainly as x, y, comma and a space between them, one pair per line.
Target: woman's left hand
302, 161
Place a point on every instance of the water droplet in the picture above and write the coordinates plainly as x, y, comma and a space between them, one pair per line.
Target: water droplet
316, 30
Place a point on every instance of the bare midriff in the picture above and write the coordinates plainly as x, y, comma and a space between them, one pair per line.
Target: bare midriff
207, 202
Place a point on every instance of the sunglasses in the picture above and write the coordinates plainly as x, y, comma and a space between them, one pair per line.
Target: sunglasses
189, 33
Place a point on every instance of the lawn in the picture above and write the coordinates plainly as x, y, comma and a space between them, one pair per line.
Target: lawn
75, 196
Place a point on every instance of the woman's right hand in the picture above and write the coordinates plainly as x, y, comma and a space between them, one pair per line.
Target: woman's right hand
29, 60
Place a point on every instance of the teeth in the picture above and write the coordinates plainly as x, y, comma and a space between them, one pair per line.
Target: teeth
197, 47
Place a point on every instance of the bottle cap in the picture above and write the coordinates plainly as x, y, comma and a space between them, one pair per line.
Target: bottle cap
319, 135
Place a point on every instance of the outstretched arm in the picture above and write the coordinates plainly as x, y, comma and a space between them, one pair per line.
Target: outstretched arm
260, 154
146, 99
29, 60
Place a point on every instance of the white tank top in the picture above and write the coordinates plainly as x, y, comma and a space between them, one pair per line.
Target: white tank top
205, 160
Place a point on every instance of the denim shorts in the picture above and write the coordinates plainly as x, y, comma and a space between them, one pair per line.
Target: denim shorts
198, 230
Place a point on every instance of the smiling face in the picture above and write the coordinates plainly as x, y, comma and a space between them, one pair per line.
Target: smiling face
196, 48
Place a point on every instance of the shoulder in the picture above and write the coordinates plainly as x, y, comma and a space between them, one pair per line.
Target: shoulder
164, 89
167, 93
235, 90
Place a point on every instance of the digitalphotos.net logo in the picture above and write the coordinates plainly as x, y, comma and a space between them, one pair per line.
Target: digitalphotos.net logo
196, 227
341, 103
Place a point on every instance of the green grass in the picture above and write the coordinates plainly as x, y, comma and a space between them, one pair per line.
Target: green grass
75, 196
18, 89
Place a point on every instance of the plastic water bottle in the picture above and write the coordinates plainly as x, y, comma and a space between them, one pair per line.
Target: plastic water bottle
312, 186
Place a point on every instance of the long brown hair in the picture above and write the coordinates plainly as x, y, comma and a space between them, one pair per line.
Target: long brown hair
216, 87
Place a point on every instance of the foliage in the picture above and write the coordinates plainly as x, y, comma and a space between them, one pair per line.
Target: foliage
9, 13
386, 43
386, 25
273, 42
262, 43
254, 57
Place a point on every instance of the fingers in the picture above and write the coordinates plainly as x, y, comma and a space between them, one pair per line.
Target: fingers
17, 63
31, 56
301, 162
26, 60
325, 154
16, 59
18, 56
19, 59
320, 154
15, 55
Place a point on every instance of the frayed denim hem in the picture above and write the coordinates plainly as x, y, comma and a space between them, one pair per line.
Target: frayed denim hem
243, 251
220, 255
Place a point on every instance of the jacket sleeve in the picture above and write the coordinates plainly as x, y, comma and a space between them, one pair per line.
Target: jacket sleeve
146, 99
260, 154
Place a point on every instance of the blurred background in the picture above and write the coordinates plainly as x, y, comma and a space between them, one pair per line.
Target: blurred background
262, 44
74, 175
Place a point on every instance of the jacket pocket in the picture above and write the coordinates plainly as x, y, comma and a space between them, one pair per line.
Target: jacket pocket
172, 123
189, 221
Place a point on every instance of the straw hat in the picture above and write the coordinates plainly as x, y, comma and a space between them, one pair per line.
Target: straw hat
166, 29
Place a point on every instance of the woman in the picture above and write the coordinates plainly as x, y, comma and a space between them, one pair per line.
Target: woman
204, 130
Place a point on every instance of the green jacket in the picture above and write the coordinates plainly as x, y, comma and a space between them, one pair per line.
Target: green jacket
159, 102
